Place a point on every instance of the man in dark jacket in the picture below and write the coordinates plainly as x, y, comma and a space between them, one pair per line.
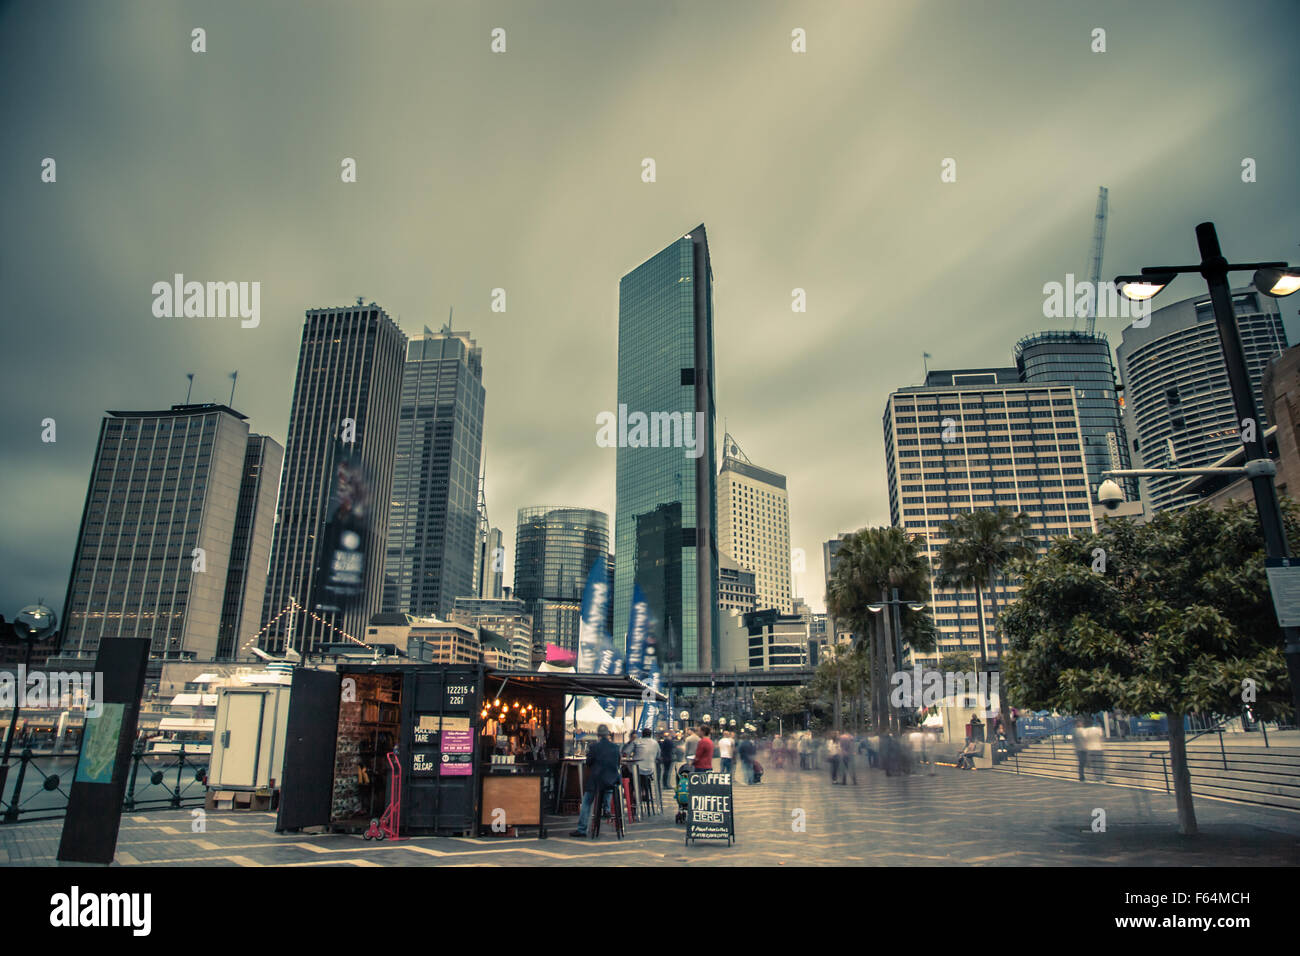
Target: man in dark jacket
747, 754
666, 747
602, 772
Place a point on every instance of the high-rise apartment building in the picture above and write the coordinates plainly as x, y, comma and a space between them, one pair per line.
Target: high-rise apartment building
433, 539
172, 544
555, 548
978, 439
666, 528
754, 525
342, 424
1178, 407
1084, 361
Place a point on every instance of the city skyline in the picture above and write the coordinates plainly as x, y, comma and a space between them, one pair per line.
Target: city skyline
520, 209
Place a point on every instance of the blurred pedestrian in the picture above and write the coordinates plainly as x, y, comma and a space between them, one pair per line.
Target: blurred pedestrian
726, 750
833, 755
846, 759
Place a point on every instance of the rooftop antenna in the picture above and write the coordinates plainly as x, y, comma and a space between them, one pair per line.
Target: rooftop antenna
190, 376
234, 377
447, 328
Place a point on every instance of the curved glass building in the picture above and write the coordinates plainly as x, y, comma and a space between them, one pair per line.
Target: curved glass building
1084, 361
555, 547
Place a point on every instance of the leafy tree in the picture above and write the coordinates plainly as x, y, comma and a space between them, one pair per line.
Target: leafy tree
1180, 620
872, 561
981, 546
957, 662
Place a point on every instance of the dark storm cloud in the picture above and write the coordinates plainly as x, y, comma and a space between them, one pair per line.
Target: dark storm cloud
522, 171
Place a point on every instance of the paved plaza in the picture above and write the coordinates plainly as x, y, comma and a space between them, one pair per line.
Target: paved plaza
952, 818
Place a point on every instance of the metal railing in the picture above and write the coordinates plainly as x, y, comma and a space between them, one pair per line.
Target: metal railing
150, 786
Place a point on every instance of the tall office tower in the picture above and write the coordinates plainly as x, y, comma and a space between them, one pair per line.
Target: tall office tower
830, 560
978, 439
1178, 408
1084, 361
507, 617
348, 385
735, 587
555, 548
754, 525
491, 564
171, 518
433, 539
666, 527
250, 553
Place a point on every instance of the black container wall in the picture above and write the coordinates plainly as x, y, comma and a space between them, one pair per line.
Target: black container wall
440, 760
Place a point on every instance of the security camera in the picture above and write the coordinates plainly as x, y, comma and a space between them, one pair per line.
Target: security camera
1109, 495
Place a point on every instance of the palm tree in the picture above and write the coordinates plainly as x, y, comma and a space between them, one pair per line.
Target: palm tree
981, 546
871, 561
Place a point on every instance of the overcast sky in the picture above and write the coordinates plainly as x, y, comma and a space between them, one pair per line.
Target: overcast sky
522, 170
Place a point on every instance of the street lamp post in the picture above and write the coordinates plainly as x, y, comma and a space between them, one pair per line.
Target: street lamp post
1275, 279
894, 605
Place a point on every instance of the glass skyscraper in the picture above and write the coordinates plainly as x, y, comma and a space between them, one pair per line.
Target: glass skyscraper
1083, 360
666, 528
433, 538
555, 548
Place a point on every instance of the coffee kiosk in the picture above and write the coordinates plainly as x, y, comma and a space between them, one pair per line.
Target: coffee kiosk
480, 751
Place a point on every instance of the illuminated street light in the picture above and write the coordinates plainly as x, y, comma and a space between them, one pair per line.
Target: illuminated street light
1277, 282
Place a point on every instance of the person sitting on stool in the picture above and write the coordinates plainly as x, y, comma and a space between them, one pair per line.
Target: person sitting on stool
603, 775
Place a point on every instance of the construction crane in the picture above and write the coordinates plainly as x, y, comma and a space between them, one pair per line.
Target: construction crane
1098, 244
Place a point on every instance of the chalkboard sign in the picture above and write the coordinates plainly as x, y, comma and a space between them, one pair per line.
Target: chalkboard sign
709, 808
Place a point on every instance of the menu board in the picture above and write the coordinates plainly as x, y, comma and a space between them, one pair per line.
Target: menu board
709, 810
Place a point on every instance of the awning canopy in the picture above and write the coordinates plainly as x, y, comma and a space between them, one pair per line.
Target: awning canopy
617, 686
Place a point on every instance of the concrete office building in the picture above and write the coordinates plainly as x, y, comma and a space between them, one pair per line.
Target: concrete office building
250, 552
666, 526
555, 548
1178, 409
754, 525
433, 529
735, 587
508, 618
174, 532
349, 383
980, 438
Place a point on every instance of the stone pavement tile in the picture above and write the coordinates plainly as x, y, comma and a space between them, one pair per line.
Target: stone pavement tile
949, 819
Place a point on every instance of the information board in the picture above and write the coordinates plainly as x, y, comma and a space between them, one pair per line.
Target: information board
1284, 583
709, 813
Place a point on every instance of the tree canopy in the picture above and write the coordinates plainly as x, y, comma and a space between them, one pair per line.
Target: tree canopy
1176, 616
